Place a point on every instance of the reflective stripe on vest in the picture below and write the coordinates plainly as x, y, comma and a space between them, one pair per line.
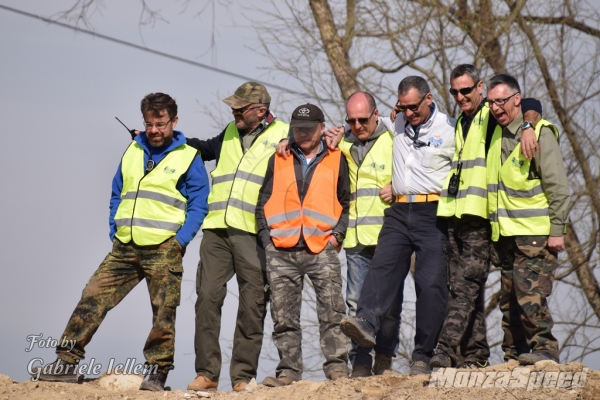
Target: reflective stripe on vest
238, 177
316, 216
366, 181
152, 209
517, 205
471, 197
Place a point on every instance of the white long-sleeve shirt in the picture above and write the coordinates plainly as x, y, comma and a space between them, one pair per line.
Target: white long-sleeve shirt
422, 170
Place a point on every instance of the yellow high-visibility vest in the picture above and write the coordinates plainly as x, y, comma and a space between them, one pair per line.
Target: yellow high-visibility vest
366, 181
152, 210
472, 190
238, 178
517, 205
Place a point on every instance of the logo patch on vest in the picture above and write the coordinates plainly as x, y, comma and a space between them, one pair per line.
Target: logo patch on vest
436, 141
380, 166
517, 163
168, 170
267, 144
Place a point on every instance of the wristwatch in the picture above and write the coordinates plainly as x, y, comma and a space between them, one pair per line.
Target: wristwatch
338, 236
526, 125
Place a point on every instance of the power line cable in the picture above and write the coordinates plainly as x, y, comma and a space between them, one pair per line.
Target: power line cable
160, 53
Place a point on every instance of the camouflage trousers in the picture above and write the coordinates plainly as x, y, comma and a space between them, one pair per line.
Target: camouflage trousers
464, 329
527, 274
285, 271
122, 269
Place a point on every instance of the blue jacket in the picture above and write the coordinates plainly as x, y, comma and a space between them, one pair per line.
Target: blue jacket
193, 185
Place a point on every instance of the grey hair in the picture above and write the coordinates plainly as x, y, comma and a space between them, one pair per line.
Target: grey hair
465, 69
504, 79
413, 82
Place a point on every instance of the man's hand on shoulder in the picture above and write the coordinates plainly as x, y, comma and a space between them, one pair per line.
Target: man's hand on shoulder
529, 144
333, 136
283, 148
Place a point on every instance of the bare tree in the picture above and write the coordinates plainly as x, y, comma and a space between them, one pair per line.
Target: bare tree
553, 48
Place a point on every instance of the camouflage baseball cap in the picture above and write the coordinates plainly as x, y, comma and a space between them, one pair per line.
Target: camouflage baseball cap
248, 93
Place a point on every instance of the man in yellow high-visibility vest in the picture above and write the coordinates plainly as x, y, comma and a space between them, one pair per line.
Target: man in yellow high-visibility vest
464, 203
528, 203
158, 202
229, 246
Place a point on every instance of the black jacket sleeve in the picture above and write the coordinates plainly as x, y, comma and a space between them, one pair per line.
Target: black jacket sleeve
343, 194
209, 149
263, 196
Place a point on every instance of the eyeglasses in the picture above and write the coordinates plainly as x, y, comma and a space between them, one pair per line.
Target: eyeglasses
463, 91
501, 102
242, 111
411, 107
362, 121
159, 125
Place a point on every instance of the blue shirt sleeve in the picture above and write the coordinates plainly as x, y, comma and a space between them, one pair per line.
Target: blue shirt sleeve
194, 187
115, 200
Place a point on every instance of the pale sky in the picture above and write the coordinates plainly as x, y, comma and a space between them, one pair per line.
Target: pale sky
59, 94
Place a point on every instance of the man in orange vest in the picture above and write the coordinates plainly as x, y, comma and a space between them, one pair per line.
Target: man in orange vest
302, 216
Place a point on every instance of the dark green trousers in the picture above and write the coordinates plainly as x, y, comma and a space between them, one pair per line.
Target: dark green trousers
122, 269
224, 253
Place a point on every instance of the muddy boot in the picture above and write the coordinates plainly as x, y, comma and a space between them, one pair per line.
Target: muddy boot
57, 371
155, 382
382, 365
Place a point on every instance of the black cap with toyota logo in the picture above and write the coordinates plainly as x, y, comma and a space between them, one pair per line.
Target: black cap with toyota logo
306, 116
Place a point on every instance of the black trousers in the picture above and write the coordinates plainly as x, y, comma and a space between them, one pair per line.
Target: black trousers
408, 228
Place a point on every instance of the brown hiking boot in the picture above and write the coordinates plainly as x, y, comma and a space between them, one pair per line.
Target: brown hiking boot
532, 358
361, 371
335, 375
382, 365
202, 383
419, 367
240, 386
272, 381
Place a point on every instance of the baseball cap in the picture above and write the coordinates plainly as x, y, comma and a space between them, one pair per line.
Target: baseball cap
306, 116
248, 93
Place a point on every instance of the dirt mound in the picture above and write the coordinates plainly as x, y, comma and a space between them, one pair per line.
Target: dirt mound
505, 381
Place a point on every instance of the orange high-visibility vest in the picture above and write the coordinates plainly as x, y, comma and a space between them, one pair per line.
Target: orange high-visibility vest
316, 216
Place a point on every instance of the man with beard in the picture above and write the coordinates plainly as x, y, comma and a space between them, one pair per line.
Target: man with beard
229, 245
157, 205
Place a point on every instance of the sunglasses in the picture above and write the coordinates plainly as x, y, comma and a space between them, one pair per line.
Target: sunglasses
463, 91
411, 107
362, 121
501, 102
242, 111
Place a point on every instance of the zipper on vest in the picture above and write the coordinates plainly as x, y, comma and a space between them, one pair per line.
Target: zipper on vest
138, 187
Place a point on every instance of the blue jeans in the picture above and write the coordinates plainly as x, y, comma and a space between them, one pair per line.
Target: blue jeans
388, 338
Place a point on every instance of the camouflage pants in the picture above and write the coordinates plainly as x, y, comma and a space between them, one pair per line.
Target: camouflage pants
527, 274
468, 268
122, 269
285, 271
